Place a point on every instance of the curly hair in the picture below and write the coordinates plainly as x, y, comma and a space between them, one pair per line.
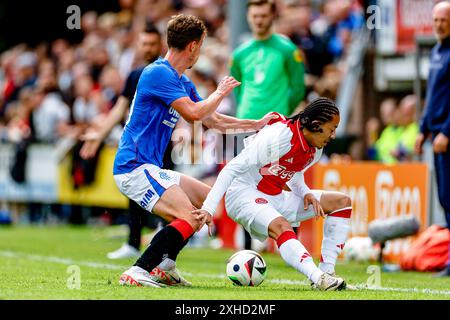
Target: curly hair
320, 109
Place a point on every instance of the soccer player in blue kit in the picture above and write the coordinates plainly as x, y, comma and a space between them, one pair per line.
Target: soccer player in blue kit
164, 94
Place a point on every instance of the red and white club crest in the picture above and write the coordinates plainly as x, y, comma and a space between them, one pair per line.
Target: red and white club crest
261, 201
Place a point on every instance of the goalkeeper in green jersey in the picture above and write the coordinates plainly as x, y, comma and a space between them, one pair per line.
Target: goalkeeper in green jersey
269, 67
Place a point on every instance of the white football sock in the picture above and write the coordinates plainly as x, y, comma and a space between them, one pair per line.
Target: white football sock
295, 254
167, 264
335, 233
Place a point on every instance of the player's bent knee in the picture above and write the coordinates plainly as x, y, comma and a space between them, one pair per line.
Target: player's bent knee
278, 226
341, 202
342, 207
345, 201
187, 216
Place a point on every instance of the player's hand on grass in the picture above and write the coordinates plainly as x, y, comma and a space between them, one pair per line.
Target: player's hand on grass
308, 200
92, 141
226, 85
205, 217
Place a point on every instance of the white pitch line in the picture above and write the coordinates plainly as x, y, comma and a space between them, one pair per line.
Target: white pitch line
35, 257
97, 265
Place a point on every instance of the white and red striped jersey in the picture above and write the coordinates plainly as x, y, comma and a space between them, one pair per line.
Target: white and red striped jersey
276, 156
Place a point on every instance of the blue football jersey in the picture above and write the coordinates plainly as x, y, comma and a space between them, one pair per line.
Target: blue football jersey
151, 120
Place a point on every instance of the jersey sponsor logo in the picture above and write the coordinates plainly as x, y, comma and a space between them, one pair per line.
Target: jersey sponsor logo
174, 112
261, 201
164, 175
280, 171
174, 116
146, 199
169, 124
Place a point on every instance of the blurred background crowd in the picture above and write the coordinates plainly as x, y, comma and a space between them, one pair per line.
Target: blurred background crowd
58, 88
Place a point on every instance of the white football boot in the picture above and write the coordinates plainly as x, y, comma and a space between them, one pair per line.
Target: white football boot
136, 276
348, 287
169, 277
125, 251
328, 282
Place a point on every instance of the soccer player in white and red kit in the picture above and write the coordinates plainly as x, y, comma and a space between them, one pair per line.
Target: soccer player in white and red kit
266, 192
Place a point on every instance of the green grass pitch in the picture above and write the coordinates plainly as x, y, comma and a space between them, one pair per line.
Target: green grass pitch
34, 264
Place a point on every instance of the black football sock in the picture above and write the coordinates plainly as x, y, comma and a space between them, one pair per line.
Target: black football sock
174, 254
161, 244
136, 223
171, 238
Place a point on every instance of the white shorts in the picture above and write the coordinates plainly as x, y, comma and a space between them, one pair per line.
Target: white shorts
146, 184
255, 210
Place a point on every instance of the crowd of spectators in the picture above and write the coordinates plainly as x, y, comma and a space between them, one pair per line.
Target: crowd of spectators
392, 139
58, 89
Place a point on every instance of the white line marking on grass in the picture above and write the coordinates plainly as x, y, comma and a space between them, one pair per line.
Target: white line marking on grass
97, 265
35, 257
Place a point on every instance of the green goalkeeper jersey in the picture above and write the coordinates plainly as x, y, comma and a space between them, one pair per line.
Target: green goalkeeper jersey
272, 76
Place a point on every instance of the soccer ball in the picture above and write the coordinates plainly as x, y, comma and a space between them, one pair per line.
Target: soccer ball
360, 249
246, 268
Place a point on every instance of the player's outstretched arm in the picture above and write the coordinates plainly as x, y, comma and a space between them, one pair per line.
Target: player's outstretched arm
224, 123
93, 138
198, 111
